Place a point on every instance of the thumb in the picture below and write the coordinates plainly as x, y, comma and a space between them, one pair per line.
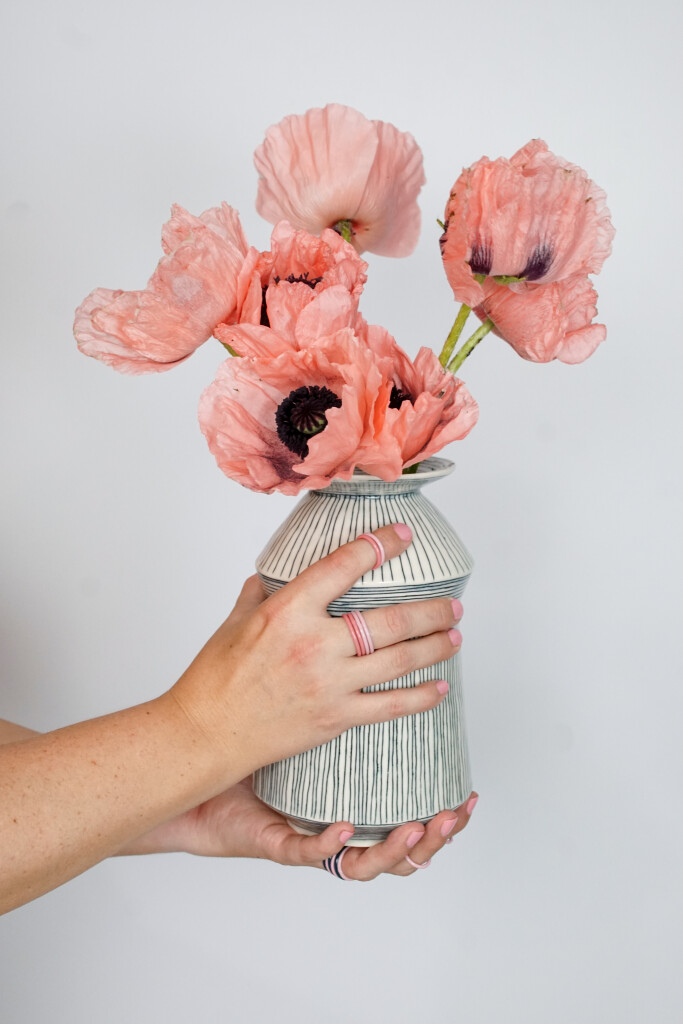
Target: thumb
251, 596
311, 851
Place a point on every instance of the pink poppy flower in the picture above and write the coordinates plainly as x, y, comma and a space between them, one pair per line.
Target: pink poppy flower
294, 421
544, 322
331, 167
305, 287
426, 408
193, 287
534, 217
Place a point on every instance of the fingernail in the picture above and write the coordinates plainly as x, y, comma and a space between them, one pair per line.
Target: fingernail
455, 636
456, 605
448, 826
404, 532
442, 686
343, 836
471, 804
413, 839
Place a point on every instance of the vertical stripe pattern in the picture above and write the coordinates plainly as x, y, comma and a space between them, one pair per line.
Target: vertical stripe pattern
382, 775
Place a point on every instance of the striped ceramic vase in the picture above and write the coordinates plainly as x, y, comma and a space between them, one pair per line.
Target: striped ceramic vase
377, 776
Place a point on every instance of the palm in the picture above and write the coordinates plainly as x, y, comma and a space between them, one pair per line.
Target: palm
237, 824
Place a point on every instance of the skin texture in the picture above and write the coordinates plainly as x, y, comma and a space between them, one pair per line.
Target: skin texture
175, 773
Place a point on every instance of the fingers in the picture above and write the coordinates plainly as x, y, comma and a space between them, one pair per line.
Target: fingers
415, 840
403, 621
439, 831
333, 575
403, 658
385, 706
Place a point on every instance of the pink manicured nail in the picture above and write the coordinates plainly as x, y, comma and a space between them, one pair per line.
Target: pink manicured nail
442, 686
448, 826
404, 532
471, 804
413, 839
455, 636
343, 836
457, 608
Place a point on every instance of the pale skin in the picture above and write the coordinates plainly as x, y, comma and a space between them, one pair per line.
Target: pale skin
174, 774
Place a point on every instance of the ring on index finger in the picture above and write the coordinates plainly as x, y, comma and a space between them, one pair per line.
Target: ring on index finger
360, 633
376, 543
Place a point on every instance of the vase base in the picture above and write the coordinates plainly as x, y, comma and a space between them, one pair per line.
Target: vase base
364, 835
350, 842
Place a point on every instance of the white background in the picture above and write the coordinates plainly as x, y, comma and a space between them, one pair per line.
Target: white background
123, 546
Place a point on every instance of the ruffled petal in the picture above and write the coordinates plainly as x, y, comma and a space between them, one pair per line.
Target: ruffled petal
193, 288
110, 346
545, 322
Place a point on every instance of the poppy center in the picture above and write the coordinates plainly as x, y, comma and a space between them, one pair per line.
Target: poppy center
398, 397
301, 415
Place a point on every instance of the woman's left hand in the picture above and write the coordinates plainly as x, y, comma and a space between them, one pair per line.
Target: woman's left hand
237, 824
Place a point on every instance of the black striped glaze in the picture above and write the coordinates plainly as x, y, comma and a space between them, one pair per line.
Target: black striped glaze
377, 776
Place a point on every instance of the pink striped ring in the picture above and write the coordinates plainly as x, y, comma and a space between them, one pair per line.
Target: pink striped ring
360, 634
377, 545
333, 864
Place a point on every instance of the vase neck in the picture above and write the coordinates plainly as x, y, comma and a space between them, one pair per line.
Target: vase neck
364, 484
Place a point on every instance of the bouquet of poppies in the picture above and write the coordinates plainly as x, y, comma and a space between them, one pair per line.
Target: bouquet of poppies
309, 390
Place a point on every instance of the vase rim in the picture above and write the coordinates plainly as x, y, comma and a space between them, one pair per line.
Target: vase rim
429, 469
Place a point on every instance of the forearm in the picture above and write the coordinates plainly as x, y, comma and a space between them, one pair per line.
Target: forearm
12, 733
72, 797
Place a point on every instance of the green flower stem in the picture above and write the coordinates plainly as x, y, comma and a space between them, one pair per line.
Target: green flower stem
230, 350
469, 345
411, 469
456, 330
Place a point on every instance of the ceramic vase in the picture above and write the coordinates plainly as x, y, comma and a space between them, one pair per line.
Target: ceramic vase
382, 775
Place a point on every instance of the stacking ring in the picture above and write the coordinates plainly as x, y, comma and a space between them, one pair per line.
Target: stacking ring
360, 633
420, 867
380, 556
333, 864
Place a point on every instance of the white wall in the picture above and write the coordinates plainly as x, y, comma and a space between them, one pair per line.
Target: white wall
123, 546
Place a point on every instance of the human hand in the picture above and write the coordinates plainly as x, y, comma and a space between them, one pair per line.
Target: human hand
281, 675
237, 824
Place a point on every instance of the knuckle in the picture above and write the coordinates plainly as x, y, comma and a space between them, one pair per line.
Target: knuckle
402, 659
345, 561
446, 618
328, 721
272, 612
396, 705
397, 620
438, 648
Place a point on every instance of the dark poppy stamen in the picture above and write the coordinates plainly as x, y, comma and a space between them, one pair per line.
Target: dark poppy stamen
538, 263
481, 259
301, 279
265, 322
398, 397
302, 415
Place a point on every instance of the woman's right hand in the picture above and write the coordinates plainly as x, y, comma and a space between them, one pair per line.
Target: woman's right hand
281, 675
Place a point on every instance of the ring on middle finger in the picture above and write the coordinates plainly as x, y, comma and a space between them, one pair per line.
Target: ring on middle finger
360, 633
